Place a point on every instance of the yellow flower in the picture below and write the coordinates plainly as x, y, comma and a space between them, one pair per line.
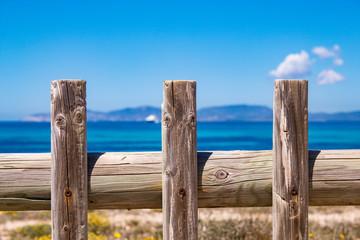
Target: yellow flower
310, 235
342, 235
117, 235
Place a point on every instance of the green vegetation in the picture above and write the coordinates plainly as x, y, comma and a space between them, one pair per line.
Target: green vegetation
36, 232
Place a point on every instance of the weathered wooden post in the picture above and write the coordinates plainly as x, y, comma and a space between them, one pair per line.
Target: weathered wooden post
179, 175
290, 160
68, 160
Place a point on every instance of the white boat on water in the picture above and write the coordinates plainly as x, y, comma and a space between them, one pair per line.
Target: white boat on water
152, 119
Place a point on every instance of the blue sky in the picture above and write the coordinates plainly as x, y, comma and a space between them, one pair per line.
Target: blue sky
125, 49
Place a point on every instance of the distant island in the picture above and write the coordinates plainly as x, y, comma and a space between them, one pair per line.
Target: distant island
251, 113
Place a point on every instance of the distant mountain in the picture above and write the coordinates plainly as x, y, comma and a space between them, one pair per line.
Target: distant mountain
134, 114
341, 116
39, 117
235, 113
127, 114
216, 114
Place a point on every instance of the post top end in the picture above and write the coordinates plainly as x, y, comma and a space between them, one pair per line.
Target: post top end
69, 80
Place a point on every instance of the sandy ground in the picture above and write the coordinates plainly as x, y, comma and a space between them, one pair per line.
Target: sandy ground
325, 216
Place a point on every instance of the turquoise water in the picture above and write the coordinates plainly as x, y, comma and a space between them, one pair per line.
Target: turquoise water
26, 137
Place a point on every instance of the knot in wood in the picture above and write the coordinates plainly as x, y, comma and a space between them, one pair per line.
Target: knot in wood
66, 228
191, 120
182, 192
60, 121
78, 117
68, 193
293, 191
167, 120
221, 174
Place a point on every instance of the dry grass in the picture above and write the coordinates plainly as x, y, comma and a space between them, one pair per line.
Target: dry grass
234, 223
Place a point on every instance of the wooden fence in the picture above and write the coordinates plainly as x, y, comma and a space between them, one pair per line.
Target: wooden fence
179, 179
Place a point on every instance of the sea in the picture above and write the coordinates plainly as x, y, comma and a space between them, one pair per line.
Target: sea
32, 137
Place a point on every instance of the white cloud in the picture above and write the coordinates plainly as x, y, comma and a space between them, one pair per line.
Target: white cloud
295, 65
335, 52
338, 61
323, 52
329, 76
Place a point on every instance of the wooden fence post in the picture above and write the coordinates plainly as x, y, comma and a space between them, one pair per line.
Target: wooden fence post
179, 177
68, 160
290, 160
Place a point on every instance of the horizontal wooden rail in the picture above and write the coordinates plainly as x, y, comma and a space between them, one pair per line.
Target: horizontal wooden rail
133, 180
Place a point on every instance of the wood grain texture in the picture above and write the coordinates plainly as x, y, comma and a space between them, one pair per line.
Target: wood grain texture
290, 156
179, 172
68, 160
133, 180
